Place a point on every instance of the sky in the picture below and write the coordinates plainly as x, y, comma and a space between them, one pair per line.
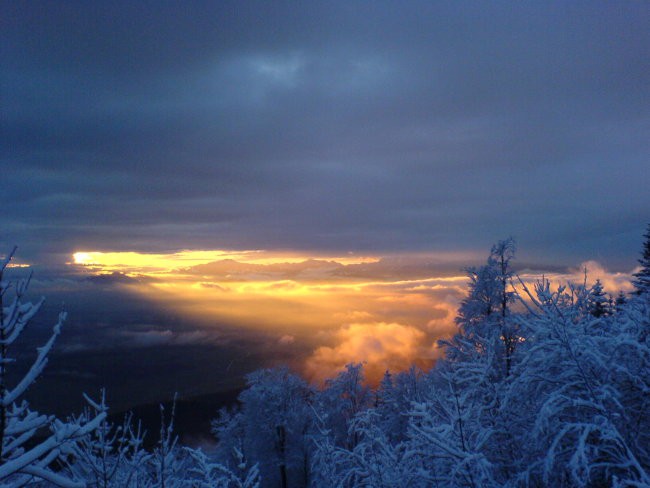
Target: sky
305, 181
334, 127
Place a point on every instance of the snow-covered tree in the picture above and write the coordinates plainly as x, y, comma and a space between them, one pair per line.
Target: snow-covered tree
374, 460
484, 315
229, 429
375, 451
642, 277
168, 463
271, 429
477, 317
395, 394
502, 254
575, 394
620, 301
451, 429
598, 302
343, 397
27, 453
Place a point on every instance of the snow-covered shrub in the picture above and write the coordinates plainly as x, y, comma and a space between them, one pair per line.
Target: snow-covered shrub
206, 473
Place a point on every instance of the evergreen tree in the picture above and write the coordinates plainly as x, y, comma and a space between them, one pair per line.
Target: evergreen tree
484, 315
394, 398
599, 304
621, 300
502, 253
642, 281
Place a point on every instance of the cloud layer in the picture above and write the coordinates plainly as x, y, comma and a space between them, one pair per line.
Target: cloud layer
320, 313
380, 346
326, 127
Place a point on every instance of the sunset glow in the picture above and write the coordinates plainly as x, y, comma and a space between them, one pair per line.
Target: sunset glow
345, 309
388, 312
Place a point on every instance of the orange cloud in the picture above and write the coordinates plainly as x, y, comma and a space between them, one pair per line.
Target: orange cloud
612, 282
386, 312
381, 346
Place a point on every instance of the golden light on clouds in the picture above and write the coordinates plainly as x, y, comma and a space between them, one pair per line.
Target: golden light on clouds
386, 312
387, 325
382, 346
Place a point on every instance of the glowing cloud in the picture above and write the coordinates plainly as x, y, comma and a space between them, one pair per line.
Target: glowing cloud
382, 346
386, 312
612, 282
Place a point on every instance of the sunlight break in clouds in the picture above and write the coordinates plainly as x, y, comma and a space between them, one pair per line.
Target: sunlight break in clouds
387, 312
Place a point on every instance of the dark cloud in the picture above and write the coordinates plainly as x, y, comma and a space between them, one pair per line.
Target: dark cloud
111, 279
319, 270
330, 126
